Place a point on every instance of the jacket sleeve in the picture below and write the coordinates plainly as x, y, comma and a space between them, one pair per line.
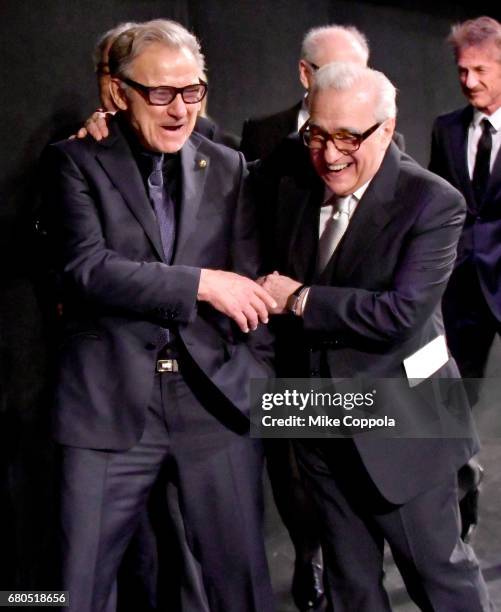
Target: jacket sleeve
421, 275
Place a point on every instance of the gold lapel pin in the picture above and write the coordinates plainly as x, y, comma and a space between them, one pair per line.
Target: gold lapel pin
202, 163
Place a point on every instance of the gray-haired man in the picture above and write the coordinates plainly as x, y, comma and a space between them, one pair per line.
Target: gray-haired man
162, 325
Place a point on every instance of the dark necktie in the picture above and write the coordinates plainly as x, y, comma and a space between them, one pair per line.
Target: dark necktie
482, 163
164, 210
163, 206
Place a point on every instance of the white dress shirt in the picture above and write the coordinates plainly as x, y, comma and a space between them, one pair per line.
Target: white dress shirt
474, 133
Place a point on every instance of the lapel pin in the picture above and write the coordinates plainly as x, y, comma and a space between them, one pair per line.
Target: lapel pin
202, 163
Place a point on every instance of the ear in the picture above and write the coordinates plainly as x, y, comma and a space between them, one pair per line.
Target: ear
304, 74
118, 95
388, 129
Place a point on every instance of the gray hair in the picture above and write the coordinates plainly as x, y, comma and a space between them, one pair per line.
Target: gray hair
475, 32
314, 37
342, 76
132, 43
106, 40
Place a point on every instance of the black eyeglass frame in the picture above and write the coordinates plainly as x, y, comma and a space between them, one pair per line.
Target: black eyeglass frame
341, 135
146, 91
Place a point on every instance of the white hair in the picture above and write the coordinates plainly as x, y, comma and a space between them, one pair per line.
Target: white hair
316, 36
343, 76
133, 41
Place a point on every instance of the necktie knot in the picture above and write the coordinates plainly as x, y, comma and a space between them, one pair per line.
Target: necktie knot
486, 125
156, 178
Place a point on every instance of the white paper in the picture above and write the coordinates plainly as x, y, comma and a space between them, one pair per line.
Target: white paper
426, 361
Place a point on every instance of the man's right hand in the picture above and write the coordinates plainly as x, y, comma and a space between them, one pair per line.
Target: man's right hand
96, 125
238, 297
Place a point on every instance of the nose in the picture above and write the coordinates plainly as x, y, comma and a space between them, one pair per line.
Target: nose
470, 79
331, 154
177, 108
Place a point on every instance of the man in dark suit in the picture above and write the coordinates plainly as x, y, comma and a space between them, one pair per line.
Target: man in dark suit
465, 151
260, 137
156, 245
365, 243
320, 46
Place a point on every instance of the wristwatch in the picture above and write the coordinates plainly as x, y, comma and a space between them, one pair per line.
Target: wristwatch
294, 300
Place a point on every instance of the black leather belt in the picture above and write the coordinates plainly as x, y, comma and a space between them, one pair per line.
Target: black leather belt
167, 365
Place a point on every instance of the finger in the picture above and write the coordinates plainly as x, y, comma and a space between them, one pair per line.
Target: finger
264, 296
260, 309
251, 315
241, 320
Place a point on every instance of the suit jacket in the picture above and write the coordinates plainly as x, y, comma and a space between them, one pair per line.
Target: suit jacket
119, 290
261, 136
480, 242
378, 300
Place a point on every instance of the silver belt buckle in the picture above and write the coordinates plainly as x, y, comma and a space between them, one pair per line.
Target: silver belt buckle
167, 365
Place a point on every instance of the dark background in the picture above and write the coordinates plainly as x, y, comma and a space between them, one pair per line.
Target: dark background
48, 88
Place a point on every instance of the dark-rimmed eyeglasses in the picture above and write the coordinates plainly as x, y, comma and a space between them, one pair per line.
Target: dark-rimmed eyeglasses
102, 69
165, 94
345, 142
314, 67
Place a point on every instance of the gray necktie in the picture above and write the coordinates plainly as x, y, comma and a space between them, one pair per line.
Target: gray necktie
333, 231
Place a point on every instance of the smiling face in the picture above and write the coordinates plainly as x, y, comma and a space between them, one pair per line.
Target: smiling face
479, 69
353, 111
166, 128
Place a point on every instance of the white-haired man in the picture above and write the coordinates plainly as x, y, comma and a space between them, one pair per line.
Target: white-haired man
365, 241
162, 330
322, 45
260, 137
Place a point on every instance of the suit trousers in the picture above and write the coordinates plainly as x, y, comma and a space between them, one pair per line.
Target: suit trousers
218, 476
470, 326
440, 571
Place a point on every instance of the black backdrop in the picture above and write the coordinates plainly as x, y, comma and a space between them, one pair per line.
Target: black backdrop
47, 88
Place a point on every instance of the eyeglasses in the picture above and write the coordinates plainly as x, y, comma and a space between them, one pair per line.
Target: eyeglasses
102, 69
314, 67
161, 96
345, 142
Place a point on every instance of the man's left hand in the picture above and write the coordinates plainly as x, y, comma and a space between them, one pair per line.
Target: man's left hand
280, 288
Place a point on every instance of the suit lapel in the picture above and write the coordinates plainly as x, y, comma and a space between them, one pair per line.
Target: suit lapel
493, 193
194, 169
457, 147
118, 162
301, 206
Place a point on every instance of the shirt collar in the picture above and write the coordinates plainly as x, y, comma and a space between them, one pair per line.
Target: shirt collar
357, 195
494, 119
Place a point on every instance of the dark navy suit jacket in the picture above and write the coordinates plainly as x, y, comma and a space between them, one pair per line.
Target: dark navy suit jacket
119, 291
480, 242
378, 300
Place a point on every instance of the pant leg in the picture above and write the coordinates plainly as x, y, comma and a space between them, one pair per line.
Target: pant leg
469, 324
292, 498
440, 571
219, 479
102, 497
352, 544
